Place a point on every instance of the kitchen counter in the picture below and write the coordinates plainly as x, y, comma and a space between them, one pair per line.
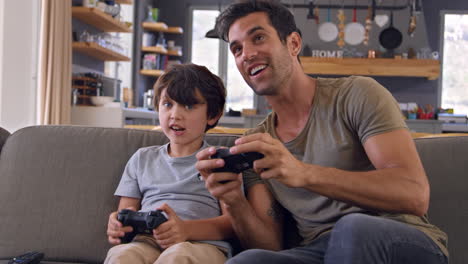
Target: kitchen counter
455, 127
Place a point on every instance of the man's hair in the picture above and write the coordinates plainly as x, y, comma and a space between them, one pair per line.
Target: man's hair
182, 81
280, 17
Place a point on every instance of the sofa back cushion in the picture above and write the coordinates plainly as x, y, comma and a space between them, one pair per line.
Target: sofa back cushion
57, 185
4, 134
445, 160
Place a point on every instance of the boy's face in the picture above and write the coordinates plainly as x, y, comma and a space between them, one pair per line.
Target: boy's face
262, 59
184, 125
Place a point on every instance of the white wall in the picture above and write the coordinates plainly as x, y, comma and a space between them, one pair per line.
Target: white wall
19, 31
2, 4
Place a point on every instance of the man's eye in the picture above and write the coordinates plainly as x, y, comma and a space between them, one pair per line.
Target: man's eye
236, 50
259, 37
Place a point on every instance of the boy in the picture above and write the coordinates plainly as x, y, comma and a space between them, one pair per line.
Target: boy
190, 100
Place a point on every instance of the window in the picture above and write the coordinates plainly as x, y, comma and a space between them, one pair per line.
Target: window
214, 54
454, 84
122, 70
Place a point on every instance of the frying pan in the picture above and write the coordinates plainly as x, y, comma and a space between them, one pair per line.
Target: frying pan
390, 38
354, 32
328, 31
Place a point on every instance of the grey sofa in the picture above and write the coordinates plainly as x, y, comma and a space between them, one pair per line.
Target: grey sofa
57, 184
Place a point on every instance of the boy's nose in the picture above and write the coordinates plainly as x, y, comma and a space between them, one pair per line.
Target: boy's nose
176, 112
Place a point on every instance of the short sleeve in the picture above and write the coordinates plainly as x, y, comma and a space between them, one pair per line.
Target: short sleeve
128, 185
251, 178
372, 109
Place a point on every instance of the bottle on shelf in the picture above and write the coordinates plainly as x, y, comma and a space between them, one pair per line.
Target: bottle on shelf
149, 17
161, 40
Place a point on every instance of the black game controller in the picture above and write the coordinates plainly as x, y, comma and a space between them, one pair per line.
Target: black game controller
142, 222
235, 163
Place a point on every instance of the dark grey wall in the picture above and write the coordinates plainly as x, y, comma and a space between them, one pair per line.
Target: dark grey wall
419, 90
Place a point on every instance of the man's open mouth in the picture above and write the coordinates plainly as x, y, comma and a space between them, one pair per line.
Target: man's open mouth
257, 69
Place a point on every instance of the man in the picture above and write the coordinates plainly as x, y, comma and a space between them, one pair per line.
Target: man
338, 157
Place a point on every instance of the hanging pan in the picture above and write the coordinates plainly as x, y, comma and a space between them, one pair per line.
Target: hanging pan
354, 32
390, 38
328, 31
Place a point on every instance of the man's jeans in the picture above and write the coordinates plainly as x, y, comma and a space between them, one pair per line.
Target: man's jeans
356, 238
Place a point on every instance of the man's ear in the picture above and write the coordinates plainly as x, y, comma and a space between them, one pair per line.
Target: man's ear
294, 41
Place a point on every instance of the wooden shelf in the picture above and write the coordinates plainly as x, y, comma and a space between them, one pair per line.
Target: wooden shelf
94, 50
426, 68
125, 2
161, 50
99, 19
154, 73
162, 27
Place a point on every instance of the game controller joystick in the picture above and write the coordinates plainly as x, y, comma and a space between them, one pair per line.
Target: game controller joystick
236, 163
142, 222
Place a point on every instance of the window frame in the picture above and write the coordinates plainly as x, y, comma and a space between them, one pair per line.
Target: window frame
223, 52
443, 13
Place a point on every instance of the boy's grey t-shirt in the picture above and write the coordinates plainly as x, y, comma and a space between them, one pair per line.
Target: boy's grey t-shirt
157, 178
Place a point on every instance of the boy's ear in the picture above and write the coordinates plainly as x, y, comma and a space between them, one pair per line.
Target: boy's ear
213, 120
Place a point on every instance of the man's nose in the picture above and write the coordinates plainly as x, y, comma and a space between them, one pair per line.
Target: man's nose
248, 52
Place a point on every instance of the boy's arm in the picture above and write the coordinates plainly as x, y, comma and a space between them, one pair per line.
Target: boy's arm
176, 230
129, 202
216, 228
115, 230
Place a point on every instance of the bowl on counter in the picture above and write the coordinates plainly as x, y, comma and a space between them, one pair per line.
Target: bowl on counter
101, 100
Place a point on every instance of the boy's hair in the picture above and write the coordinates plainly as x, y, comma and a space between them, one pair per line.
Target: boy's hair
182, 81
280, 17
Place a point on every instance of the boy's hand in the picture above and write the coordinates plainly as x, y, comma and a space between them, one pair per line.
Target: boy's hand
172, 231
115, 230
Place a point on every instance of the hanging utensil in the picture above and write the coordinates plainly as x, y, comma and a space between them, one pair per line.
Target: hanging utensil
368, 25
316, 14
412, 21
341, 18
354, 32
328, 31
390, 38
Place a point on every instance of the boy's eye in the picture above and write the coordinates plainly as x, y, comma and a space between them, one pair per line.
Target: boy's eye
189, 107
166, 104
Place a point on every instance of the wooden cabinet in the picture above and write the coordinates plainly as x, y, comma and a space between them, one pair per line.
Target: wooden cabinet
429, 69
104, 22
159, 27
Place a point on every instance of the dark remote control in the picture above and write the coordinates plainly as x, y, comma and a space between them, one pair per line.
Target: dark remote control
28, 258
235, 163
142, 222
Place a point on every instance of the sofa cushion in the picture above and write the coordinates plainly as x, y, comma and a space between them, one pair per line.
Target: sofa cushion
445, 160
4, 134
57, 185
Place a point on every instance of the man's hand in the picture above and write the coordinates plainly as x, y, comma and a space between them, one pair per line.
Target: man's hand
115, 230
229, 192
278, 162
172, 231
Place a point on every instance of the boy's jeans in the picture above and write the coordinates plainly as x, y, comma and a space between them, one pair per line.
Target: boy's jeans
357, 239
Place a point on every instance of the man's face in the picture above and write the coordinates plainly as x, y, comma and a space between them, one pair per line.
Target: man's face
263, 60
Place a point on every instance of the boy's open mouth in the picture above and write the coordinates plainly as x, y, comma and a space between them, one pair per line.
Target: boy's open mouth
176, 128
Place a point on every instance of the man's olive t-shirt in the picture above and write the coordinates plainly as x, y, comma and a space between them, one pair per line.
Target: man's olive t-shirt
345, 113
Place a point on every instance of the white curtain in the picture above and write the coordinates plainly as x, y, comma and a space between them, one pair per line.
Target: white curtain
55, 62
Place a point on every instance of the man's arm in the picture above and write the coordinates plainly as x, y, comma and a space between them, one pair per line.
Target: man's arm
256, 219
399, 183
